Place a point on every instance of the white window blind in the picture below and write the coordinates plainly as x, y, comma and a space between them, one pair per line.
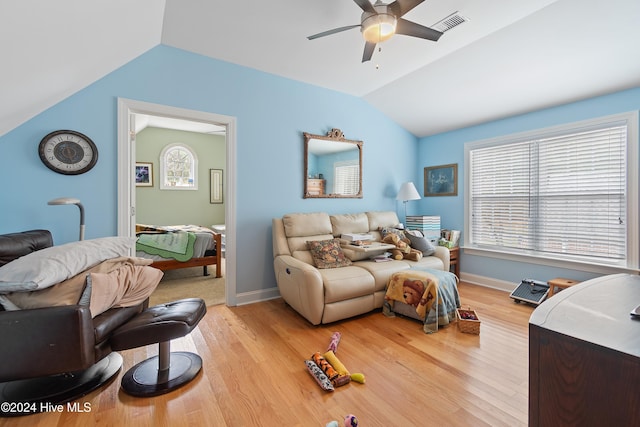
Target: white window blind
347, 178
561, 196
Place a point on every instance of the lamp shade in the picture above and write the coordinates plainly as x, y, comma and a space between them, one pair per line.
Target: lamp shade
408, 192
379, 27
63, 201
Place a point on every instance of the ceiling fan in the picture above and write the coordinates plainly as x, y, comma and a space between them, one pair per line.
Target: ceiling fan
380, 21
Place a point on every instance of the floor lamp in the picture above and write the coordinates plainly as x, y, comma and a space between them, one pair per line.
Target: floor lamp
407, 192
71, 201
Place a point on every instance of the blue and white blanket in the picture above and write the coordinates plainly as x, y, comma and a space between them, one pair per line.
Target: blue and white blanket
433, 315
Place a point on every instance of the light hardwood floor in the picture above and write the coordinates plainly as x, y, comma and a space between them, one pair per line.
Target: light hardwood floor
254, 374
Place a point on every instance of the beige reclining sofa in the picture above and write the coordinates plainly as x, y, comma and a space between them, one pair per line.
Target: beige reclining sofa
324, 295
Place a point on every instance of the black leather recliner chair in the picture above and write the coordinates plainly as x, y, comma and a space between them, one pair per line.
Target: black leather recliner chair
54, 354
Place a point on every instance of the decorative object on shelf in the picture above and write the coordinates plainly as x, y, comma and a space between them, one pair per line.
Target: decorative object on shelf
407, 192
429, 225
449, 238
215, 185
332, 156
144, 174
71, 201
441, 180
68, 152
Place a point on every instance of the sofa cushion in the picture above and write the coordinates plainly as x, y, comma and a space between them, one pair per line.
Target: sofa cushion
382, 271
306, 224
426, 262
349, 223
328, 253
344, 283
380, 219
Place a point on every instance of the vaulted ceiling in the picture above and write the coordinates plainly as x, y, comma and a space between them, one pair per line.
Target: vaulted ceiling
508, 57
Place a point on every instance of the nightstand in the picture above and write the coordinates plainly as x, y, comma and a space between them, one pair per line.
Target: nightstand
561, 283
454, 261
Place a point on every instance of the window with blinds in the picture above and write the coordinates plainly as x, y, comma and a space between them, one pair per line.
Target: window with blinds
347, 178
562, 195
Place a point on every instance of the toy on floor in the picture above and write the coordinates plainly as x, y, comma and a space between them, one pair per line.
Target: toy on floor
349, 421
335, 340
333, 347
318, 375
340, 368
328, 371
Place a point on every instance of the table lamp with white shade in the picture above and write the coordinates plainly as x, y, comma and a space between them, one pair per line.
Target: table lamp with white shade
71, 201
407, 192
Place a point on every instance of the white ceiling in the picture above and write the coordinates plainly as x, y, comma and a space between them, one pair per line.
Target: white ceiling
511, 57
143, 121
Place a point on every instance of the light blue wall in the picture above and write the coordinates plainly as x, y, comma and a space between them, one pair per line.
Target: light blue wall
448, 148
272, 112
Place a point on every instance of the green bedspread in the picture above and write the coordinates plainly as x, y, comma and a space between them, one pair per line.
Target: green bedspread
178, 245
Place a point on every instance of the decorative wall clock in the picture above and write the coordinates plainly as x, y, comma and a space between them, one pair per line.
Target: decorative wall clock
68, 152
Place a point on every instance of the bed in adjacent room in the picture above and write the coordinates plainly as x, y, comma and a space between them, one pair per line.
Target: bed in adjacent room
180, 246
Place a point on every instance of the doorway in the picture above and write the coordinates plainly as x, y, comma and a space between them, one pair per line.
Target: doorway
128, 111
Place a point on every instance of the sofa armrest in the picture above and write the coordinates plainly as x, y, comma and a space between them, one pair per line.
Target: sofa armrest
45, 341
443, 253
301, 286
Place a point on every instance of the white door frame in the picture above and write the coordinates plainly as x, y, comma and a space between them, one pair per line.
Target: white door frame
127, 108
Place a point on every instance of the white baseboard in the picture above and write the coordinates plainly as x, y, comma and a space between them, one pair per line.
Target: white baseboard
488, 282
272, 293
257, 296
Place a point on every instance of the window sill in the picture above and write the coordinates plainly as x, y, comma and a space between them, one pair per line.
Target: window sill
551, 262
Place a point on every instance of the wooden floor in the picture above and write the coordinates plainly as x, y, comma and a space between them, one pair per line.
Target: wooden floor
254, 374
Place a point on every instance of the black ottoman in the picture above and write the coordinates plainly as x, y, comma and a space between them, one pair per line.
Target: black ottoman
160, 324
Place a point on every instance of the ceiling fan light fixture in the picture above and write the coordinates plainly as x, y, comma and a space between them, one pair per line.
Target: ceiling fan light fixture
379, 27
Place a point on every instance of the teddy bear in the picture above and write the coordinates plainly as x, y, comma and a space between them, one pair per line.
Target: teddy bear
402, 249
413, 292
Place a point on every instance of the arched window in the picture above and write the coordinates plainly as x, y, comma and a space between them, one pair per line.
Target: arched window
178, 168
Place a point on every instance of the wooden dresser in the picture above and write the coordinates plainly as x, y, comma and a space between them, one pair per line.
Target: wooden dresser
584, 355
315, 187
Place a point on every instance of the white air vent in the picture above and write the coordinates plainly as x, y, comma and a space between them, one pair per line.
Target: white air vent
449, 22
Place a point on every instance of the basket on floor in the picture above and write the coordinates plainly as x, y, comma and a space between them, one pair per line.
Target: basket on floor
468, 321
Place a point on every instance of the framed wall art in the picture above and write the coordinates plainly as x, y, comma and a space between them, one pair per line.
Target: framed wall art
441, 180
215, 185
144, 174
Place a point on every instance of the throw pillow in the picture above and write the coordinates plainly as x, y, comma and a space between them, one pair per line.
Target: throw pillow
46, 267
328, 253
419, 242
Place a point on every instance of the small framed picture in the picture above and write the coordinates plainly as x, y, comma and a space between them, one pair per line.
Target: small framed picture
216, 185
144, 174
441, 180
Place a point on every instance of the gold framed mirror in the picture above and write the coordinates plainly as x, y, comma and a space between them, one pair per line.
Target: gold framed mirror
332, 166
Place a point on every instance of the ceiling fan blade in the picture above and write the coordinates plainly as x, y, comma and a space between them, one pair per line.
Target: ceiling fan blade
366, 5
400, 7
368, 51
335, 30
412, 29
